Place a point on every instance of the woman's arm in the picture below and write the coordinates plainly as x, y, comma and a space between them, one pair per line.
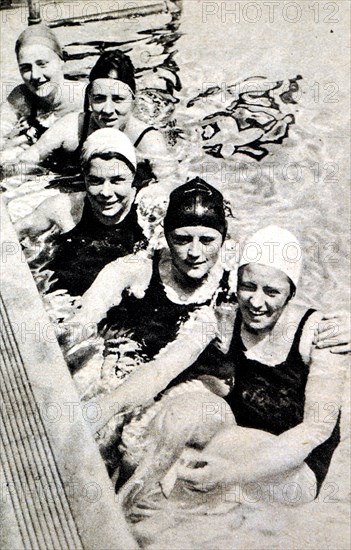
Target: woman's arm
322, 404
150, 379
333, 332
245, 455
131, 272
63, 133
53, 211
153, 147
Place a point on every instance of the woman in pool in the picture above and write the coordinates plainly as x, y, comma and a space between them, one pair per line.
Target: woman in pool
160, 300
106, 219
109, 104
44, 97
153, 297
270, 433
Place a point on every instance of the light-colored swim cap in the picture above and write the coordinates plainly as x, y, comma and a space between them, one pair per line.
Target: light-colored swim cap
40, 35
109, 141
276, 247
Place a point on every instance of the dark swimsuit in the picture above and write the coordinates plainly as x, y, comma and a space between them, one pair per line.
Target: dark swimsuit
81, 253
33, 120
272, 399
143, 175
154, 320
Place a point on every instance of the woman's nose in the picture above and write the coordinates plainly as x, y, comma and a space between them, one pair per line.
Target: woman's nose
195, 248
106, 189
257, 299
37, 73
108, 106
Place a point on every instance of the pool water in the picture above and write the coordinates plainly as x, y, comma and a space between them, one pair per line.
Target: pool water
257, 110
262, 140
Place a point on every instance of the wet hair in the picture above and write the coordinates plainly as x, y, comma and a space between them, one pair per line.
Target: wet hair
116, 65
108, 155
196, 203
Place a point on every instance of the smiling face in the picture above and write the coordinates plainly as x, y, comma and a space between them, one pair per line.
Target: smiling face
41, 69
263, 293
111, 102
194, 250
109, 187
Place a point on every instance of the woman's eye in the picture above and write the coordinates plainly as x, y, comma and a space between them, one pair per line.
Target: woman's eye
272, 292
243, 286
207, 240
93, 181
180, 240
99, 98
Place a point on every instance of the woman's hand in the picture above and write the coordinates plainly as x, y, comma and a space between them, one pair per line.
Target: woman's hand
204, 471
108, 408
334, 332
20, 141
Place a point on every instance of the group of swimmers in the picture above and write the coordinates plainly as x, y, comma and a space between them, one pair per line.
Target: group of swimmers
211, 338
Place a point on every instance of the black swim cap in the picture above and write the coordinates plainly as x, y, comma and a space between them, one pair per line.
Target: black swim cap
196, 203
115, 64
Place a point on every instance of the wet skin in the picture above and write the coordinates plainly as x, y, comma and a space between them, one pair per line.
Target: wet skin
41, 70
109, 189
262, 294
194, 250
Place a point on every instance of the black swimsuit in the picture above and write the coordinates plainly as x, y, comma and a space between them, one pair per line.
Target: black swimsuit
143, 175
82, 252
154, 320
272, 399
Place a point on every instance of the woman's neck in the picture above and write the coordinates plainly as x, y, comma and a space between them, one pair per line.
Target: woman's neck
115, 220
252, 337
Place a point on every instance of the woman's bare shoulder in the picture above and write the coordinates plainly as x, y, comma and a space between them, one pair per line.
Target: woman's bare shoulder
68, 200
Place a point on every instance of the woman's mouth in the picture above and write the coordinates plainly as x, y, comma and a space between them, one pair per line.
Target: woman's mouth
109, 121
38, 85
253, 313
109, 204
194, 265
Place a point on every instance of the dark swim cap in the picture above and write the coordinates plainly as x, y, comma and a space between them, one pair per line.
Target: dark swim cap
196, 203
115, 64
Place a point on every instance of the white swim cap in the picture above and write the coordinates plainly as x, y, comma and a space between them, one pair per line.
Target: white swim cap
276, 247
107, 141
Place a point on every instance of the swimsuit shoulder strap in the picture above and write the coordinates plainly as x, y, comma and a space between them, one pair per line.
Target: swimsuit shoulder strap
84, 129
296, 343
143, 133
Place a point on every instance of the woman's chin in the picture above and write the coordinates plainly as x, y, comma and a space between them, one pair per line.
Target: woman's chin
45, 91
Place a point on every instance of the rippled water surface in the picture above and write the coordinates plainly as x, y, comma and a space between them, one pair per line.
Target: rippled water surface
265, 131
258, 110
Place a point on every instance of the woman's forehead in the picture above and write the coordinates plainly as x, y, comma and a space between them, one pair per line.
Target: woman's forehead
35, 52
263, 274
109, 86
112, 166
197, 230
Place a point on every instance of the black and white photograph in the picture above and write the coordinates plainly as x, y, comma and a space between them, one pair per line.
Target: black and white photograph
175, 274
